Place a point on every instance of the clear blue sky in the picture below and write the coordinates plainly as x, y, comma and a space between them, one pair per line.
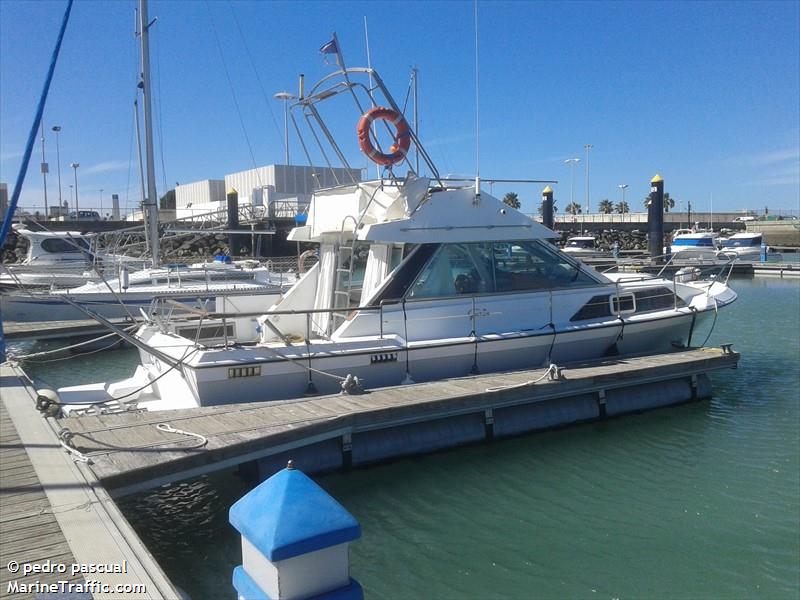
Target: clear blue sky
705, 93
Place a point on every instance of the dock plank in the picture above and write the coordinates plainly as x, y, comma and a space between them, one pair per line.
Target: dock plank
239, 432
52, 510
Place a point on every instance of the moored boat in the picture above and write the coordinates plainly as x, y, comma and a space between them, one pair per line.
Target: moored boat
747, 247
582, 246
418, 279
692, 244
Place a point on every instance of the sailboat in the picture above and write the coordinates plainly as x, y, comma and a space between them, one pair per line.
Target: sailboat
419, 278
128, 294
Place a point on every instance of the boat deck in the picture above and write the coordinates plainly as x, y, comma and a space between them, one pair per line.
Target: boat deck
129, 453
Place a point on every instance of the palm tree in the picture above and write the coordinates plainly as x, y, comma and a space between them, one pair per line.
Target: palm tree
573, 208
622, 208
541, 208
668, 202
512, 200
606, 206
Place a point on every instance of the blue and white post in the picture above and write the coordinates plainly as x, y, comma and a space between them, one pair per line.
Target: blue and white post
295, 542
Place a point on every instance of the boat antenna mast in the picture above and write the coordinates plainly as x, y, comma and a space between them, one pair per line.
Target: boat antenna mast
477, 114
151, 202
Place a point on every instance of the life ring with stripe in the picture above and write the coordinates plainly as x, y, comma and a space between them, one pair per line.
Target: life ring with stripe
402, 139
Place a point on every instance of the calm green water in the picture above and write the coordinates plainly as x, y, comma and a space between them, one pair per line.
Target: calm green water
696, 501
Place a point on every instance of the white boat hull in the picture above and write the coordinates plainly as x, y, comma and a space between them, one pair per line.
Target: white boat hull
381, 363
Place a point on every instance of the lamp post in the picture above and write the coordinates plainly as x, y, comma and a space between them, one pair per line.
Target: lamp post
285, 96
101, 203
623, 187
75, 168
572, 162
56, 129
587, 147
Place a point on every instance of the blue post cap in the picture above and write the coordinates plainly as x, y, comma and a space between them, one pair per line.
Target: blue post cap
289, 515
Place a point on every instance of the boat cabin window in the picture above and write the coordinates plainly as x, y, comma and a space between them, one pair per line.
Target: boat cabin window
57, 245
486, 267
456, 269
529, 266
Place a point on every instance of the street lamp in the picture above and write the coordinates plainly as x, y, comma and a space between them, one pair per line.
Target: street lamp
101, 203
623, 187
572, 162
285, 96
56, 129
587, 147
75, 168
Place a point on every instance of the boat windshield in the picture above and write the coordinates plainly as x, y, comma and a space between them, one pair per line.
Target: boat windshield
741, 242
495, 267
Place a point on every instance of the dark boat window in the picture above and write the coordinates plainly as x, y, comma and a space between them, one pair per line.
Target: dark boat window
534, 265
623, 304
597, 308
659, 298
57, 245
406, 273
456, 269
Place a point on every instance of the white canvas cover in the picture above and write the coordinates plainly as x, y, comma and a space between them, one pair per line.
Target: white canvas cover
325, 283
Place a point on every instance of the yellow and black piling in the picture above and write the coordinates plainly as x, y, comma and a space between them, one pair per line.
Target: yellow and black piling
655, 219
547, 207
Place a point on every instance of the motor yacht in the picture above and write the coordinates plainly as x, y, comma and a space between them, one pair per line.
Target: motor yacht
59, 259
694, 244
747, 247
419, 278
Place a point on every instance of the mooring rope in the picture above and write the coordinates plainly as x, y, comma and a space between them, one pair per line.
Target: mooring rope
553, 372
166, 427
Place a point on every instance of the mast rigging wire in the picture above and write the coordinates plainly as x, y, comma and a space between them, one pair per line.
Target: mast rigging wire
255, 71
477, 104
233, 94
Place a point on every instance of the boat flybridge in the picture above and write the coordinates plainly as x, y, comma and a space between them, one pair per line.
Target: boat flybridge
419, 278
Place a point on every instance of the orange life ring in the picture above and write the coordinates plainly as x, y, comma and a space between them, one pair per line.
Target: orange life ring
402, 139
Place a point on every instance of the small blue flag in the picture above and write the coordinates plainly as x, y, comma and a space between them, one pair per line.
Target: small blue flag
330, 48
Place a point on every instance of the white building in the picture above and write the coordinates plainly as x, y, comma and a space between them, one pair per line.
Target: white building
200, 197
283, 190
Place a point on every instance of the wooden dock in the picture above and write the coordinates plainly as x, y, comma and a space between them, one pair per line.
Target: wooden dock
52, 330
54, 515
129, 453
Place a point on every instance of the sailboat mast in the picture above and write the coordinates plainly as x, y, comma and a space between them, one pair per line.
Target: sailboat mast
151, 205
